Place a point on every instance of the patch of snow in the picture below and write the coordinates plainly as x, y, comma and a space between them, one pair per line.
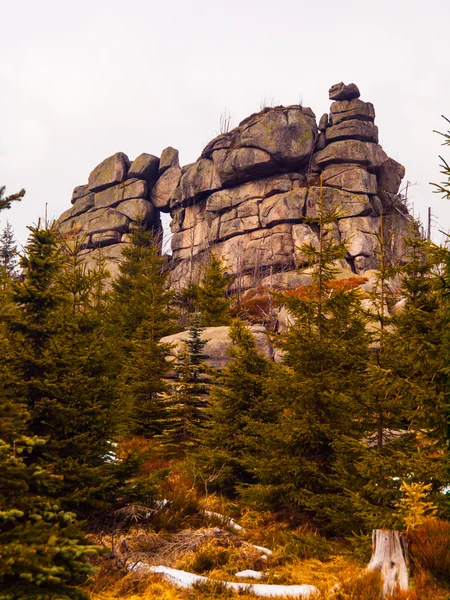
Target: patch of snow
186, 580
227, 520
265, 551
250, 574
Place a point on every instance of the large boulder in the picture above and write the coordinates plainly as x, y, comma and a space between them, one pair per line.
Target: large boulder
218, 344
146, 167
131, 188
283, 208
138, 210
169, 158
352, 129
80, 205
263, 144
340, 91
242, 164
164, 190
200, 179
79, 192
343, 110
342, 204
390, 175
287, 134
351, 151
106, 238
228, 198
351, 178
109, 172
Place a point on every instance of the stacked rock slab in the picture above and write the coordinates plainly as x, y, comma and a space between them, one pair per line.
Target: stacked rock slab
251, 194
105, 210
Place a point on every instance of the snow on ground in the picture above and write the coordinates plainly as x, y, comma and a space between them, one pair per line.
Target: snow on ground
187, 580
227, 520
249, 574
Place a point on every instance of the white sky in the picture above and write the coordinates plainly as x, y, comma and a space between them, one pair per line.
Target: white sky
81, 80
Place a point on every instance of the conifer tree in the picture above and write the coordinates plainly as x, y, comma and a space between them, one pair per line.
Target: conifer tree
56, 366
209, 297
140, 315
186, 407
238, 408
326, 352
140, 294
8, 251
43, 553
404, 418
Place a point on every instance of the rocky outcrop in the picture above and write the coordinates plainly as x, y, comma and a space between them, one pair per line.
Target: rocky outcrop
104, 211
252, 193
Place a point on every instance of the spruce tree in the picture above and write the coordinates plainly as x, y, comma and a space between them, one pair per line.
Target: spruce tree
43, 552
8, 251
325, 356
140, 292
404, 419
186, 406
238, 408
209, 297
55, 364
140, 315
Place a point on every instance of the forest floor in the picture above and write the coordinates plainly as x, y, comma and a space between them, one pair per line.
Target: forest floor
194, 537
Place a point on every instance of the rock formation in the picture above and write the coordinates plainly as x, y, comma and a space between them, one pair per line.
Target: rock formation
249, 195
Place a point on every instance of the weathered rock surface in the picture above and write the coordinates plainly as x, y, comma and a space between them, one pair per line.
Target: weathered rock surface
132, 188
164, 190
109, 172
344, 110
351, 178
340, 91
253, 196
169, 158
146, 167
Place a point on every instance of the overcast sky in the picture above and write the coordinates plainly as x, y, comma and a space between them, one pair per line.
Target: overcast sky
82, 80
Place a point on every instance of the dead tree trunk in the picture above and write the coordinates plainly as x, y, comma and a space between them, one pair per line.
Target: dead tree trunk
390, 557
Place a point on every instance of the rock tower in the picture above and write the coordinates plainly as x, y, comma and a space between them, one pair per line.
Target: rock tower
250, 194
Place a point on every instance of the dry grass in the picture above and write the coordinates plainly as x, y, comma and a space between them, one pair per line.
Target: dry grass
430, 548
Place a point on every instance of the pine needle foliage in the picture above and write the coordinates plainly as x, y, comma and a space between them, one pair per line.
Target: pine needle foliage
141, 314
186, 406
238, 407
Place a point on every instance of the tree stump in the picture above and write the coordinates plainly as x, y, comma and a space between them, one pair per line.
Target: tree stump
390, 557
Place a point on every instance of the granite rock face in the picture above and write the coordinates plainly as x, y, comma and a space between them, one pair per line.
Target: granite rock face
251, 194
115, 199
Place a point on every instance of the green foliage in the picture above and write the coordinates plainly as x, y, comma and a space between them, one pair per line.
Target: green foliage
414, 507
209, 297
237, 408
140, 315
5, 201
8, 252
56, 366
186, 413
315, 392
43, 552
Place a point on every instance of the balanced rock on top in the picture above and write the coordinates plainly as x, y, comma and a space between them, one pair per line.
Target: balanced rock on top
340, 91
